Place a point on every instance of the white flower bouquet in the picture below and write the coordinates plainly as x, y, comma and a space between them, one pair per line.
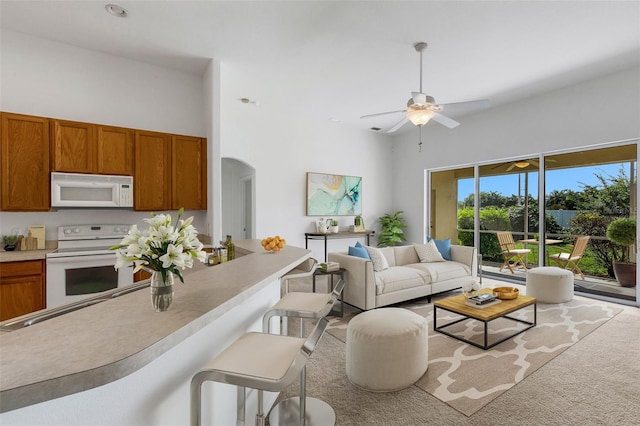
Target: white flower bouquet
163, 247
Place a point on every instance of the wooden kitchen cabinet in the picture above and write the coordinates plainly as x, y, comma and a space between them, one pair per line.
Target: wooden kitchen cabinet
73, 147
152, 178
90, 148
22, 288
170, 172
24, 163
115, 151
189, 173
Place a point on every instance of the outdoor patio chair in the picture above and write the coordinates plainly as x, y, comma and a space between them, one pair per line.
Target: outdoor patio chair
510, 253
570, 260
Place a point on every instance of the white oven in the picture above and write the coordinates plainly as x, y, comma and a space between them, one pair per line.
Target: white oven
83, 265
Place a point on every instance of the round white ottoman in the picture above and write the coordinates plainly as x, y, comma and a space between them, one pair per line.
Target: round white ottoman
550, 284
387, 349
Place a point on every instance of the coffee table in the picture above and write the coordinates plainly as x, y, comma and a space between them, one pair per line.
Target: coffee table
458, 305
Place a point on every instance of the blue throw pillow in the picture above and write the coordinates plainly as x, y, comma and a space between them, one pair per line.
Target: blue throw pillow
359, 251
444, 247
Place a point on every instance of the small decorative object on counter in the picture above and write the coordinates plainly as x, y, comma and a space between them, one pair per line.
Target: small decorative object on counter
163, 250
470, 289
273, 244
334, 228
10, 242
231, 248
358, 224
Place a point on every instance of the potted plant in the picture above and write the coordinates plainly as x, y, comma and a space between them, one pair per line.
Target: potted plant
334, 226
391, 232
623, 231
10, 242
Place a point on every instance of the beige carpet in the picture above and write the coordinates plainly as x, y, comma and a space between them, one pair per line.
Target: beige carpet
468, 378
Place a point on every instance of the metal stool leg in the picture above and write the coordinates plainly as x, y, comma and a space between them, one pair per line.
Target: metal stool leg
305, 410
242, 402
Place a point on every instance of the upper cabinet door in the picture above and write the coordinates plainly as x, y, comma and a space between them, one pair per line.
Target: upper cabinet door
152, 179
24, 163
73, 147
115, 151
189, 172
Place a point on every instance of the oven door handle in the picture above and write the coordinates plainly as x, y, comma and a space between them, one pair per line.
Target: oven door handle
80, 258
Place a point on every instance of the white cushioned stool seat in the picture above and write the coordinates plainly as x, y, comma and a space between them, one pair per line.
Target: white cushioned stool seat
550, 284
387, 349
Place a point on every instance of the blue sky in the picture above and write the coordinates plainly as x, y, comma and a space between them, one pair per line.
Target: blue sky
555, 180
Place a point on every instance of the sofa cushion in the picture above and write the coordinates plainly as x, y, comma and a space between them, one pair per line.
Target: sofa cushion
444, 247
400, 278
405, 255
379, 261
359, 251
428, 252
442, 271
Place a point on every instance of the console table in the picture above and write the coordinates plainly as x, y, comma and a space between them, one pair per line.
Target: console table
335, 235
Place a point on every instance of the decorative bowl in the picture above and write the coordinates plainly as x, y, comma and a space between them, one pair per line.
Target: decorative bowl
506, 293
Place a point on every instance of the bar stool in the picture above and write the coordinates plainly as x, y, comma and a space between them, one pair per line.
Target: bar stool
304, 269
303, 305
309, 306
266, 362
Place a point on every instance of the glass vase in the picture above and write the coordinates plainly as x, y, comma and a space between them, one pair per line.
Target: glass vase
470, 293
161, 290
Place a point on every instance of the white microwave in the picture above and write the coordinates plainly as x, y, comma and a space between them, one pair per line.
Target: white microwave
84, 190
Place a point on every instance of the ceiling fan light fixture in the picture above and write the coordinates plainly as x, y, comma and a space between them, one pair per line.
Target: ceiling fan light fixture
419, 117
521, 164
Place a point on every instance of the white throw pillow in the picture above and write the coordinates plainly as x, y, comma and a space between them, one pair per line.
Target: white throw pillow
379, 261
428, 252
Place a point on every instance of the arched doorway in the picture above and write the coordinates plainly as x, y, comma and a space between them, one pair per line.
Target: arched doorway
238, 199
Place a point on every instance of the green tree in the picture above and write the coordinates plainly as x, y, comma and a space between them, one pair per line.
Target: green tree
491, 218
595, 224
565, 199
516, 216
611, 197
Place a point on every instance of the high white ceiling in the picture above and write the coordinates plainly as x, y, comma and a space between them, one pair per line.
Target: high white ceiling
343, 59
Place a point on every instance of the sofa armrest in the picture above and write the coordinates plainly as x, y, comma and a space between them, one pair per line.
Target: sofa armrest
467, 256
360, 283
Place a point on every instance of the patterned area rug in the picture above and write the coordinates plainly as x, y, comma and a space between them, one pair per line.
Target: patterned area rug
467, 378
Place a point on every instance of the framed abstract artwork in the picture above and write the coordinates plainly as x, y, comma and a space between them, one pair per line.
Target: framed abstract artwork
333, 195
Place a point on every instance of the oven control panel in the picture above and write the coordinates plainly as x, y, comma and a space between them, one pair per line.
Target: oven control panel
89, 232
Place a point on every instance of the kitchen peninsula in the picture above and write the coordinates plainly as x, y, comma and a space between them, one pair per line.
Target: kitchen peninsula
119, 362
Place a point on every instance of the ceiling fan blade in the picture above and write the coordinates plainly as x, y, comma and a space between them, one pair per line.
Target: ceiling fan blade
398, 125
511, 167
445, 121
534, 162
456, 107
383, 113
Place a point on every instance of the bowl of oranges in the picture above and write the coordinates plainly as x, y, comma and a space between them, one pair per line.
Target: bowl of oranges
273, 244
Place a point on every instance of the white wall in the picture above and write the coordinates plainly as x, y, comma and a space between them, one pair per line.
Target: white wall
603, 110
278, 138
282, 142
41, 77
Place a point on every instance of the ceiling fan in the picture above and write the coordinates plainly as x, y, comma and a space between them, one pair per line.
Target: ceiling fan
522, 164
422, 108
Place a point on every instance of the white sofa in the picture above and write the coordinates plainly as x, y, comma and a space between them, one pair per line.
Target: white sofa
406, 278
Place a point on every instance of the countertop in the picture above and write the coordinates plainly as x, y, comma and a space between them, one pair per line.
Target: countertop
107, 341
21, 255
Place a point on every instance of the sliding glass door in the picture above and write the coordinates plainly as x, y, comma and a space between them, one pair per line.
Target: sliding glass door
551, 214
